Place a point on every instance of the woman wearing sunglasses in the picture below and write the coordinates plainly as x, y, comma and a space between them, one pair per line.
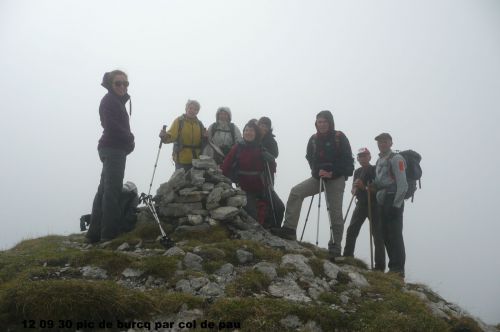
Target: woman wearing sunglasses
115, 144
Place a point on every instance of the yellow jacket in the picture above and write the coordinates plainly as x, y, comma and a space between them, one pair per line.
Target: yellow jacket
187, 143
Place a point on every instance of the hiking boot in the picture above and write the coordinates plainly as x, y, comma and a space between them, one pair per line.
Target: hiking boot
285, 233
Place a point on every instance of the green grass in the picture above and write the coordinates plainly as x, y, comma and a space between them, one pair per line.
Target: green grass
158, 266
32, 254
248, 283
74, 300
265, 314
113, 262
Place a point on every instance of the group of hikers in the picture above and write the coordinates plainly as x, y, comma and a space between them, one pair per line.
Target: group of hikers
248, 158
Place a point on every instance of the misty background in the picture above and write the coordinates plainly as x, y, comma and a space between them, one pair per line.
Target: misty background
428, 72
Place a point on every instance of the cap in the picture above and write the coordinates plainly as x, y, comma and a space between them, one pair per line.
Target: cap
363, 151
383, 136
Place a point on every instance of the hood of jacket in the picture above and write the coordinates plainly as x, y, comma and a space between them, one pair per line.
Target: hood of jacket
105, 83
223, 109
328, 116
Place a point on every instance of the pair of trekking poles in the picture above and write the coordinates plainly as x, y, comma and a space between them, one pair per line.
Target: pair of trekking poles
323, 187
165, 241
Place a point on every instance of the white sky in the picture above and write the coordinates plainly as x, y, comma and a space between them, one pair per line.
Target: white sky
428, 72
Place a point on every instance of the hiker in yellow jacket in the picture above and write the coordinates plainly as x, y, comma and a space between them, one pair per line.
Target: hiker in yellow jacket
188, 135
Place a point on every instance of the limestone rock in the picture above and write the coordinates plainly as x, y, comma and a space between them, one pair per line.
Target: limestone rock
132, 273
197, 283
211, 290
288, 289
174, 251
331, 270
299, 262
224, 212
225, 270
124, 246
266, 268
193, 229
193, 262
179, 209
195, 219
94, 272
213, 198
244, 256
291, 322
204, 162
197, 177
237, 201
358, 280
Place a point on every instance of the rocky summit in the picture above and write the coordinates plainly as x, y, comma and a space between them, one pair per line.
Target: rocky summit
225, 272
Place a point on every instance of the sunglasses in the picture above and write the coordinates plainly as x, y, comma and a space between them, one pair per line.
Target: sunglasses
120, 83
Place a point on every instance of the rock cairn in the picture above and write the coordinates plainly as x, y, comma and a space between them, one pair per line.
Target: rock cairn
200, 198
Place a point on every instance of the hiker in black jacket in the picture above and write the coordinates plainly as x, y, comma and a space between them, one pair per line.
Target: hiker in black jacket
115, 144
362, 177
330, 157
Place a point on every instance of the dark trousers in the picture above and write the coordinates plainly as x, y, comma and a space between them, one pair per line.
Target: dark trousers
106, 211
259, 207
391, 219
359, 216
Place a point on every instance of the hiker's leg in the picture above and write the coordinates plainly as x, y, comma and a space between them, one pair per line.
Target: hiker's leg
251, 206
335, 191
304, 189
397, 263
358, 218
392, 220
94, 231
114, 169
378, 239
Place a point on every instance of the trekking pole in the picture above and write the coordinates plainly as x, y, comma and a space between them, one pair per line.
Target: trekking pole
328, 211
156, 162
165, 241
350, 203
270, 190
307, 217
319, 208
370, 223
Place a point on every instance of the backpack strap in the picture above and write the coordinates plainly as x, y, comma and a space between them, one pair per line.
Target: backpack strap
231, 130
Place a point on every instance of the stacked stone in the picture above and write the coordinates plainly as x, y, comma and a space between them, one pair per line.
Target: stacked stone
201, 197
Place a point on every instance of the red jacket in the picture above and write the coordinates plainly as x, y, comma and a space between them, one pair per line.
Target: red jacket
246, 162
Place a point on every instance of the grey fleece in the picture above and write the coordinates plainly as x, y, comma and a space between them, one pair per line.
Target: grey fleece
390, 177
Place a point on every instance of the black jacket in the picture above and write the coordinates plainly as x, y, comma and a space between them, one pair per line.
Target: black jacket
115, 123
330, 152
367, 176
270, 144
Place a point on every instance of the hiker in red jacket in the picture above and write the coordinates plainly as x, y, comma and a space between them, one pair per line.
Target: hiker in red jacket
246, 165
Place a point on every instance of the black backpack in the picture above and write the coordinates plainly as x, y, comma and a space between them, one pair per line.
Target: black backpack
413, 171
129, 200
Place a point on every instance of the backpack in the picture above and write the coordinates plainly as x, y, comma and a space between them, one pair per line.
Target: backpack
224, 149
413, 171
231, 130
129, 200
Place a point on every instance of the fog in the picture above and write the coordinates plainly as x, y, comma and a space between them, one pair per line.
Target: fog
428, 72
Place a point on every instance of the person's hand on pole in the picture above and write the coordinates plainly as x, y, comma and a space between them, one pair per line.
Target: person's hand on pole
163, 134
325, 174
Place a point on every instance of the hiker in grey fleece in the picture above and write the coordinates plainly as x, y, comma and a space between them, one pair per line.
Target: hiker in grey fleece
222, 133
391, 185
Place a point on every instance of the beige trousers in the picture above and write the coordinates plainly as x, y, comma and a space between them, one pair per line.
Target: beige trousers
309, 187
